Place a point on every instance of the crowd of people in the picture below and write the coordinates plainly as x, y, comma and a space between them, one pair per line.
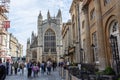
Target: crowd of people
33, 68
9, 68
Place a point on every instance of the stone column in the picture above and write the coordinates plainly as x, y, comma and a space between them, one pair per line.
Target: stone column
100, 36
118, 14
87, 51
78, 35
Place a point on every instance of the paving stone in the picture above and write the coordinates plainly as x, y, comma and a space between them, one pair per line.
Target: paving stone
53, 76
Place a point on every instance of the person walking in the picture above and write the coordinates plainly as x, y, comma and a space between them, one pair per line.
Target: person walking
49, 65
22, 68
39, 65
2, 71
42, 67
15, 67
29, 67
7, 67
35, 69
54, 65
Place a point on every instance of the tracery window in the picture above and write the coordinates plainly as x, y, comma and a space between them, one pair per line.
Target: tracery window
92, 14
115, 25
83, 24
50, 41
106, 2
114, 30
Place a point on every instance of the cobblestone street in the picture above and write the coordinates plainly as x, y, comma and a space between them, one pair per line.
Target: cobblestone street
53, 76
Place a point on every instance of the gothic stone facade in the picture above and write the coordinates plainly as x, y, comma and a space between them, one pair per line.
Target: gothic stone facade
47, 44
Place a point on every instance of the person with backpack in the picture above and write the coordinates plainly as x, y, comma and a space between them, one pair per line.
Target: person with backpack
2, 71
49, 65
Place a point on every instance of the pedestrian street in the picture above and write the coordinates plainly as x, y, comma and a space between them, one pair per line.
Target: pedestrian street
53, 76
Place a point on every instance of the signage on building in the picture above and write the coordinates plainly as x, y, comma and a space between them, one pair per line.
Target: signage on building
6, 24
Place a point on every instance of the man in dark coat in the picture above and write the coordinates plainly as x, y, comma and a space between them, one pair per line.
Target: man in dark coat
2, 71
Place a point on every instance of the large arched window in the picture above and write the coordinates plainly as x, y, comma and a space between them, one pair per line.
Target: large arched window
49, 41
114, 30
115, 44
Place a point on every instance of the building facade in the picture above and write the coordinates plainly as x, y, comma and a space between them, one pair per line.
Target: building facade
67, 39
48, 43
75, 48
4, 46
15, 48
99, 22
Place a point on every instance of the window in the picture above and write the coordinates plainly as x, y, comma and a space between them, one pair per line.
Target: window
73, 18
106, 2
73, 28
95, 50
83, 24
84, 49
50, 41
92, 14
114, 30
115, 25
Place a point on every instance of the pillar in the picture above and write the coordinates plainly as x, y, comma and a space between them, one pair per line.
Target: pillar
87, 51
100, 36
118, 14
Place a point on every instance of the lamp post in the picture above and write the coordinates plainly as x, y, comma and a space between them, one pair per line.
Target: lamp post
115, 53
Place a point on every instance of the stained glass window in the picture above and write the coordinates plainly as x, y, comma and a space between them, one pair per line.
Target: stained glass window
50, 41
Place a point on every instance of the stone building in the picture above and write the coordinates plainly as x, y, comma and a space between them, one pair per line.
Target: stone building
15, 48
3, 36
99, 22
67, 40
47, 44
3, 29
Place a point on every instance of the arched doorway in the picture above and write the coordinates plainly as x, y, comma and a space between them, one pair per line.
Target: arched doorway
115, 44
34, 55
49, 43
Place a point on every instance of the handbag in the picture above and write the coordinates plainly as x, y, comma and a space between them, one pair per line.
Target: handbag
18, 69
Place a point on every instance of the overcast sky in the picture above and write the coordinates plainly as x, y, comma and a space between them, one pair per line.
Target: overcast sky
23, 15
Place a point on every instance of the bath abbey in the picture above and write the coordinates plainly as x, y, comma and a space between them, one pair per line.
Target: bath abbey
47, 43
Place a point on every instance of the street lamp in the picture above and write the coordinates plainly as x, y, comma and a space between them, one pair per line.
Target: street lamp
115, 53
